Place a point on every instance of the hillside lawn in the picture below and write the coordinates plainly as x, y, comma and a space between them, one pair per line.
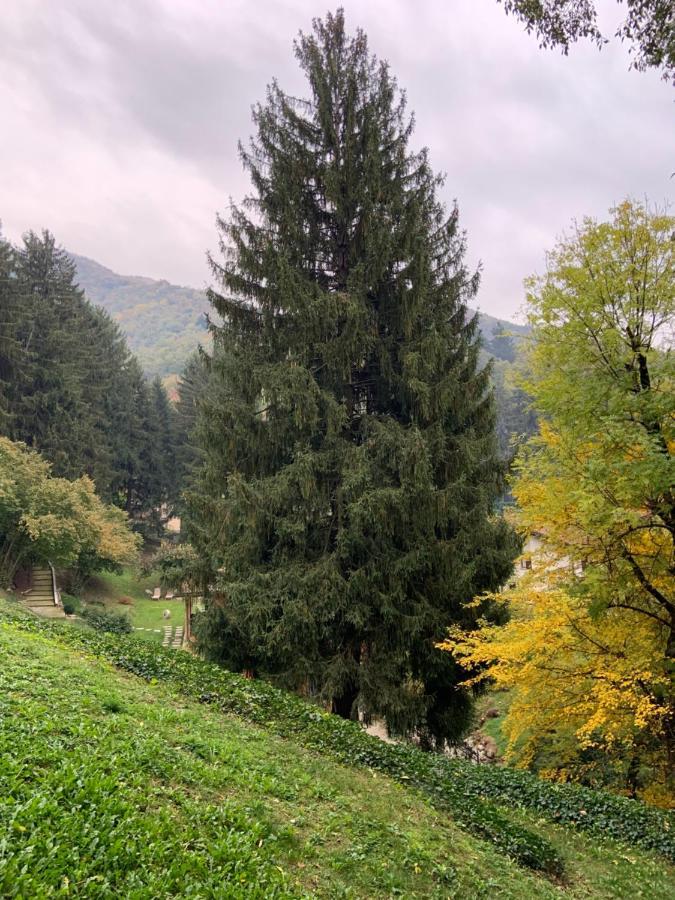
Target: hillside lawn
115, 786
108, 587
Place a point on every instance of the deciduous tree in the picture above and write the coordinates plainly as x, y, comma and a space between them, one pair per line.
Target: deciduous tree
591, 651
649, 26
43, 517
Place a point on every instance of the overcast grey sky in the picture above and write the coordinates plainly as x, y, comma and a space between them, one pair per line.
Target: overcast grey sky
120, 121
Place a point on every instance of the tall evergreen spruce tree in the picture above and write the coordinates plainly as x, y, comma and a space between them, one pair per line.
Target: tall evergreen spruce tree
350, 466
49, 399
191, 386
10, 312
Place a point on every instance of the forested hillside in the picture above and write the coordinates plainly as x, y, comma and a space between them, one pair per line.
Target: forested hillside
163, 322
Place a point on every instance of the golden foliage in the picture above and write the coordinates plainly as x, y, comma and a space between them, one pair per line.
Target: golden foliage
589, 651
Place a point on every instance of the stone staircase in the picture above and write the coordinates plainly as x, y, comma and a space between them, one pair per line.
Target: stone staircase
40, 598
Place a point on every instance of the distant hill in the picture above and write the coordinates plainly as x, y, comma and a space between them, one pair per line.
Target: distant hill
164, 323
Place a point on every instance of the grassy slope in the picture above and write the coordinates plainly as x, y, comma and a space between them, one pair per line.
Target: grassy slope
181, 797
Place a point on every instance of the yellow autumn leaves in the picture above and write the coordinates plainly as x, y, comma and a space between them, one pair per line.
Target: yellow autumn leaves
588, 654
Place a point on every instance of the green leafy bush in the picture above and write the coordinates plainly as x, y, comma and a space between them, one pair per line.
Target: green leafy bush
471, 793
71, 605
102, 620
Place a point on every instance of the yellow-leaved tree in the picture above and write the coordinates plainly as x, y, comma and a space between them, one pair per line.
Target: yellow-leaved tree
46, 518
589, 651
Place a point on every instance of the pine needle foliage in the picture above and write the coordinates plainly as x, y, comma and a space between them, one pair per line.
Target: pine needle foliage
350, 469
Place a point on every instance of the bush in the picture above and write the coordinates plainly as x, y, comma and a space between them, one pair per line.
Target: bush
71, 605
101, 620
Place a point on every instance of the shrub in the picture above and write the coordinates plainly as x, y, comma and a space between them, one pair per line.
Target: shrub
71, 605
101, 620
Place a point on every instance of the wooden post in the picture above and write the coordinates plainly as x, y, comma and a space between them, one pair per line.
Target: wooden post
187, 634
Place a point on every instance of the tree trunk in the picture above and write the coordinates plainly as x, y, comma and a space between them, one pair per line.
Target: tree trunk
344, 705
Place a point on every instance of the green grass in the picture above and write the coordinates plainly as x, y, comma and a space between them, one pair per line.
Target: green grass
111, 787
144, 613
178, 767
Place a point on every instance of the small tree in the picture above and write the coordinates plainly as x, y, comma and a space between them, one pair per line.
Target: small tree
42, 517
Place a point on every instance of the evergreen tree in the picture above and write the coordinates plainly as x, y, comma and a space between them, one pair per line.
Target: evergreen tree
164, 469
191, 387
350, 465
110, 392
48, 400
71, 388
10, 311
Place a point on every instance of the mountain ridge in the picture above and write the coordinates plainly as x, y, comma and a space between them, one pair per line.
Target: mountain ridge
164, 322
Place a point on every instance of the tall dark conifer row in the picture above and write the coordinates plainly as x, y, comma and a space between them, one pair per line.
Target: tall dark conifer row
49, 400
10, 312
350, 465
190, 390
70, 387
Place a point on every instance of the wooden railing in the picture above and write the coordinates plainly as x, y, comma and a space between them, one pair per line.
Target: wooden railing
55, 590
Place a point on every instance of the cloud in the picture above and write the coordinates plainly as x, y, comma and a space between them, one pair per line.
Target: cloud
121, 121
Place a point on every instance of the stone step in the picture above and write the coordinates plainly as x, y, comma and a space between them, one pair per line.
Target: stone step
48, 612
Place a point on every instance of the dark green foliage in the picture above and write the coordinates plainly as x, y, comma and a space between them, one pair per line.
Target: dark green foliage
501, 345
649, 26
70, 604
10, 311
191, 387
70, 387
151, 485
469, 791
47, 405
516, 419
350, 465
103, 620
